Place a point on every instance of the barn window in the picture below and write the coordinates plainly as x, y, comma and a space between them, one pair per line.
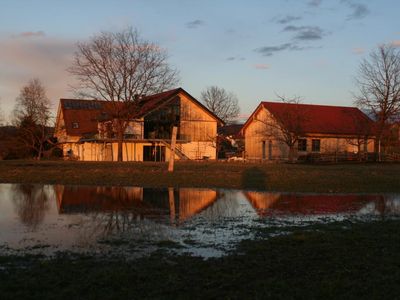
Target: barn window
302, 145
75, 125
316, 145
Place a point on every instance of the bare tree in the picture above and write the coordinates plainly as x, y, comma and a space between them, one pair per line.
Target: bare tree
31, 203
287, 127
32, 117
379, 88
363, 129
1, 116
120, 67
222, 103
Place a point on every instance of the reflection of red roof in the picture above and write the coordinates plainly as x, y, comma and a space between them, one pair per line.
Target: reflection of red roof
320, 118
309, 204
87, 113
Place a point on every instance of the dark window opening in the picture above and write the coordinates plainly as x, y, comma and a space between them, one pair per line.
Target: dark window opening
158, 124
302, 145
316, 145
154, 153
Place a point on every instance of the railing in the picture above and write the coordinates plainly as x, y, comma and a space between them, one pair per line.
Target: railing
336, 157
178, 150
392, 157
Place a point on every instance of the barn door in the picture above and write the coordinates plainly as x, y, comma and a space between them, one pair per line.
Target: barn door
108, 153
264, 150
269, 150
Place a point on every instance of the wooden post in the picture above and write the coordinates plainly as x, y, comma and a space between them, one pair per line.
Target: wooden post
172, 156
171, 199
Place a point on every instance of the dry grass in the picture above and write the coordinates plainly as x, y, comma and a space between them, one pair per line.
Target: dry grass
353, 178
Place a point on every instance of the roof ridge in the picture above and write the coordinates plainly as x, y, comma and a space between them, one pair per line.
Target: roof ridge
309, 104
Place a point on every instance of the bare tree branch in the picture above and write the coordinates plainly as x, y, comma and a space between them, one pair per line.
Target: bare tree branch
32, 117
379, 88
222, 103
288, 126
118, 67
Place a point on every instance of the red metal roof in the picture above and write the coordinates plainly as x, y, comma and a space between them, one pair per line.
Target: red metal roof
87, 113
319, 119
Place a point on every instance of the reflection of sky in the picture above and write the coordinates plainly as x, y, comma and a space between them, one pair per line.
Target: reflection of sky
213, 223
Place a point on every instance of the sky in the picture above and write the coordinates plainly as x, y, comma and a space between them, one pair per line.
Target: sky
257, 49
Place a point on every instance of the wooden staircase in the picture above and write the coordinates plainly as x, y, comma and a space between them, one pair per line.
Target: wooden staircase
178, 150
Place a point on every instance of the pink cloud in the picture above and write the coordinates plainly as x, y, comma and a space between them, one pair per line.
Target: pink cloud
358, 51
28, 34
261, 66
396, 43
22, 59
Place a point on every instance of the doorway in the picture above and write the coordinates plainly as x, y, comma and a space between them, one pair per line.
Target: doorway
154, 153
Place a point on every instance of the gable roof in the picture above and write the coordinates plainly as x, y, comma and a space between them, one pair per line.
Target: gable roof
87, 113
234, 130
318, 119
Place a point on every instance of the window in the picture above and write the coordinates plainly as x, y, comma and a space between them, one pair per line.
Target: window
316, 145
302, 145
75, 125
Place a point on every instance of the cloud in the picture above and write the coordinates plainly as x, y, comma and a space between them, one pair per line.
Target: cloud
314, 3
24, 58
306, 33
195, 24
288, 19
395, 43
359, 10
261, 66
270, 50
358, 51
238, 58
28, 34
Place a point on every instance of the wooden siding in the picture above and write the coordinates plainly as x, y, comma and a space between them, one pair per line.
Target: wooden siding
196, 125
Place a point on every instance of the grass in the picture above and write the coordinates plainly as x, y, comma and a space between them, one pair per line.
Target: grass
338, 178
356, 261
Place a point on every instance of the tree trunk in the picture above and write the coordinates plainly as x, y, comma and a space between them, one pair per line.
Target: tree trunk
291, 153
120, 142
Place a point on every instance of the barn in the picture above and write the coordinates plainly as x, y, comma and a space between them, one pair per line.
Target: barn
281, 131
85, 129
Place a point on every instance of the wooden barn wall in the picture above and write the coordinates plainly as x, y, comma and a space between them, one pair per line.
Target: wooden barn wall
199, 128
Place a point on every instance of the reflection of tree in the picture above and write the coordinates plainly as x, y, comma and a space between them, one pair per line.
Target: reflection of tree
31, 203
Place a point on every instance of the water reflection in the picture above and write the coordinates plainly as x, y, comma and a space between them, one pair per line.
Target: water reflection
273, 204
66, 217
31, 203
135, 202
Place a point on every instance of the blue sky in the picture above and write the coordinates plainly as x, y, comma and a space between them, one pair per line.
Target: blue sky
255, 49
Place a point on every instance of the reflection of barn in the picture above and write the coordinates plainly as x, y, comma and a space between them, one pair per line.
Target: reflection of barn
291, 204
178, 204
86, 131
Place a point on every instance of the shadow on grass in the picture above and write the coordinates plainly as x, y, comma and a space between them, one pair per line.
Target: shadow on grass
254, 178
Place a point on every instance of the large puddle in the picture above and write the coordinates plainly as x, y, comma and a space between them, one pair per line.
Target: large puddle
134, 221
